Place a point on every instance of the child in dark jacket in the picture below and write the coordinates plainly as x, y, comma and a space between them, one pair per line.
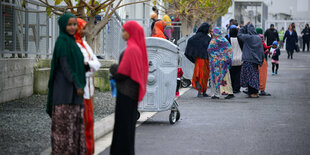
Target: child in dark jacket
275, 53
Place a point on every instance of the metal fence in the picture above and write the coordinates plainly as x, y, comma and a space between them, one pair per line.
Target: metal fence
29, 32
25, 32
112, 42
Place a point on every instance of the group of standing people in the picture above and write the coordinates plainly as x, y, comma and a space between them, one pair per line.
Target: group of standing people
71, 89
231, 62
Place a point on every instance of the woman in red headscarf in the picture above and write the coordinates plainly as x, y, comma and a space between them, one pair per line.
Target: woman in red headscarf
131, 79
92, 63
158, 30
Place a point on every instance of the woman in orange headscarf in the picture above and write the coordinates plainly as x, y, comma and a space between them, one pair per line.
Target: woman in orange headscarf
158, 30
93, 64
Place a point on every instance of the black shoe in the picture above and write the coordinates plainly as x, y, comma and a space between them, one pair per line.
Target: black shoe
236, 91
230, 96
215, 97
100, 57
246, 92
205, 95
263, 93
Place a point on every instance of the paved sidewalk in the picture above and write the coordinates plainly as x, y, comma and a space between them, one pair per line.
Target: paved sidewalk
275, 125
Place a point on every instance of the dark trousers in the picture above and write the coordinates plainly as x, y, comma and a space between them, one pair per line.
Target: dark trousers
290, 54
252, 90
123, 142
178, 85
275, 65
305, 42
235, 77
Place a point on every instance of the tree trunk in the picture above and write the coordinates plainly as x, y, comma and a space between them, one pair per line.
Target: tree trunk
92, 35
91, 40
94, 42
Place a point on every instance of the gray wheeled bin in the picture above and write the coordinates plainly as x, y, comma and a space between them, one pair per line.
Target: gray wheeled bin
162, 78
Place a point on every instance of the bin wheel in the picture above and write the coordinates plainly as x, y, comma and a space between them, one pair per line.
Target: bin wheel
185, 83
178, 115
173, 117
138, 115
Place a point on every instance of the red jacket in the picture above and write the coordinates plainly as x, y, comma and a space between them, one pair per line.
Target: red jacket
180, 72
265, 47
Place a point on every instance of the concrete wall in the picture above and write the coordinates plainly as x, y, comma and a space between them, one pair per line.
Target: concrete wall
41, 76
16, 78
42, 72
21, 78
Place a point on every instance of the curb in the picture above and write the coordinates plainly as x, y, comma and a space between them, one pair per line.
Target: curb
104, 126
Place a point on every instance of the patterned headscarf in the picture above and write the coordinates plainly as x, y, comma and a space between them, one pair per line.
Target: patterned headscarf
81, 24
220, 57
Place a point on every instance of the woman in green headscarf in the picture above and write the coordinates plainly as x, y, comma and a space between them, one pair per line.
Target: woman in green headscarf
65, 96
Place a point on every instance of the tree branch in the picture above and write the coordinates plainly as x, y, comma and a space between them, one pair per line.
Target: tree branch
69, 3
102, 4
101, 24
56, 7
107, 12
132, 3
87, 5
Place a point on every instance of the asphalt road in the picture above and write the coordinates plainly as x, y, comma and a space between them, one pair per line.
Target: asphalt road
274, 125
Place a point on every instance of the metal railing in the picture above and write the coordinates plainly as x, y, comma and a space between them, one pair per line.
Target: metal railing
113, 43
25, 32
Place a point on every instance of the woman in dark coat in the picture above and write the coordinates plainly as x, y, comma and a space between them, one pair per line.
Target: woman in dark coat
65, 91
291, 40
196, 52
305, 37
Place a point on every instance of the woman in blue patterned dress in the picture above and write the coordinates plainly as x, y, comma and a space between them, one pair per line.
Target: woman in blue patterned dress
220, 59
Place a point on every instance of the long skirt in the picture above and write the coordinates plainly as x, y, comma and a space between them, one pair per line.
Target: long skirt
68, 135
250, 75
235, 77
225, 86
89, 126
201, 75
263, 75
123, 142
